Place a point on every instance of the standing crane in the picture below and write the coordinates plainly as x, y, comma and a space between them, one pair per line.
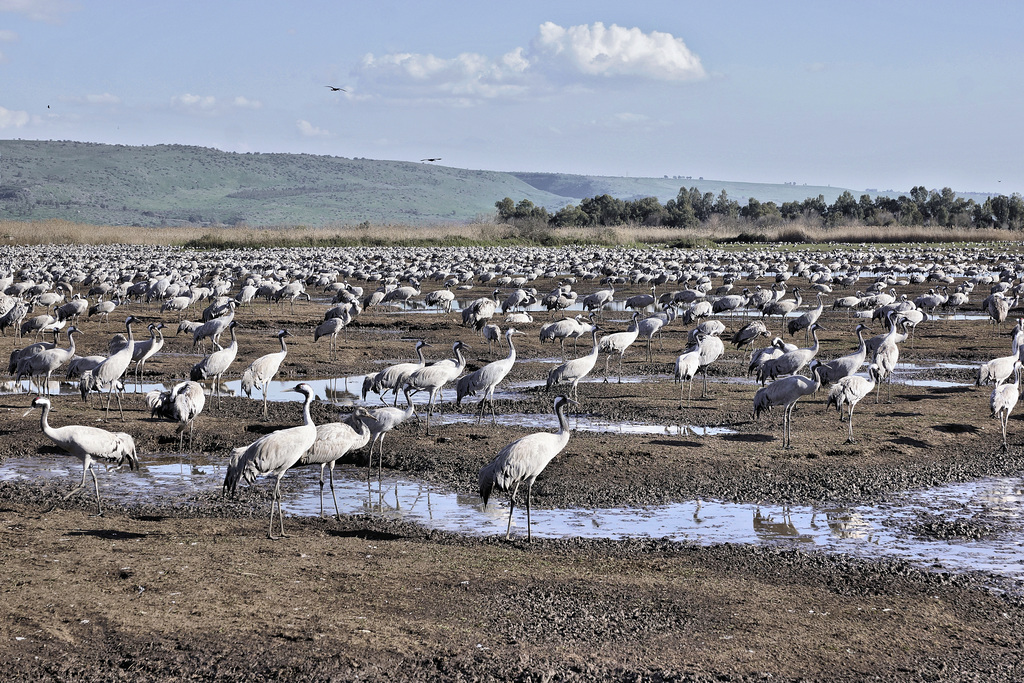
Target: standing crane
383, 420
487, 378
807, 320
432, 377
334, 440
274, 453
90, 445
618, 342
46, 361
217, 363
791, 362
109, 372
182, 404
522, 461
261, 371
1004, 399
849, 390
786, 392
576, 369
847, 365
329, 328
394, 377
144, 350
711, 349
686, 367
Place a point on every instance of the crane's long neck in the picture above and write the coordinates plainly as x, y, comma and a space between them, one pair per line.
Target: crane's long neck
419, 352
307, 418
131, 337
410, 409
71, 343
563, 421
284, 349
511, 349
814, 333
597, 344
460, 360
234, 340
863, 348
44, 422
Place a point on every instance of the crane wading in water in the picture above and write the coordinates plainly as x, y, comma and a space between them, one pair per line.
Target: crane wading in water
523, 460
90, 445
275, 453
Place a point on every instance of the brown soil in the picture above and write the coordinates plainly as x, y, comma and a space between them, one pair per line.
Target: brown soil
197, 591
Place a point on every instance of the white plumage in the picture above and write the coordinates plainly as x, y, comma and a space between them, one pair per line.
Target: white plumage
522, 461
576, 369
432, 377
1004, 399
182, 404
90, 445
261, 372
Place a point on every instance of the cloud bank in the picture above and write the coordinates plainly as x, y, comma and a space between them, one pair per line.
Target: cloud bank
556, 56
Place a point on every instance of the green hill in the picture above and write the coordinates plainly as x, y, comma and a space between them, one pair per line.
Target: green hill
177, 184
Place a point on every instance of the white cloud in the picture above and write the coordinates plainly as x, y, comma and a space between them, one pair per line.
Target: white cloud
194, 102
13, 119
104, 98
246, 103
37, 10
7, 36
310, 131
597, 50
556, 54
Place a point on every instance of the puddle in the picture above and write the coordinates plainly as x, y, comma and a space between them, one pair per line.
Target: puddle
886, 530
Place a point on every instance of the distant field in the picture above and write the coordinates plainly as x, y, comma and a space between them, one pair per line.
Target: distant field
177, 185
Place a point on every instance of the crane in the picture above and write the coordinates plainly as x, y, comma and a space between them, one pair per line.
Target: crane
522, 461
1004, 399
329, 328
90, 445
217, 363
687, 365
791, 362
807, 320
275, 453
109, 372
181, 404
144, 350
47, 360
488, 377
849, 390
847, 365
786, 392
394, 377
334, 440
576, 369
618, 342
261, 371
383, 420
433, 377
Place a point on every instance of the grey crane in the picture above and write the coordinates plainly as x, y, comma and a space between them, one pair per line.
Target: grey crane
844, 366
144, 350
791, 362
805, 321
574, 370
182, 404
274, 454
43, 364
522, 461
642, 301
761, 356
786, 392
261, 372
748, 333
394, 377
887, 357
217, 363
334, 440
330, 328
652, 325
89, 445
599, 299
849, 390
214, 328
491, 333
432, 377
1004, 399
711, 349
686, 367
109, 372
619, 342
383, 420
487, 378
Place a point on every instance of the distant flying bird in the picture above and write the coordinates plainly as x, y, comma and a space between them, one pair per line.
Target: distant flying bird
334, 89
433, 159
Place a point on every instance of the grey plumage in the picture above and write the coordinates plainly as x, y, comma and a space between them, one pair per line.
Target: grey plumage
487, 378
334, 440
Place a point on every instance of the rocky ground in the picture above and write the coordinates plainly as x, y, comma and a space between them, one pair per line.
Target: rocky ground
196, 590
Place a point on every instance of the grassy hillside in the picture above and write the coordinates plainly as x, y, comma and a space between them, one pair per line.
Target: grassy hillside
166, 185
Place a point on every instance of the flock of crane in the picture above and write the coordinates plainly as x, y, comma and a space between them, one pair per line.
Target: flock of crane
178, 280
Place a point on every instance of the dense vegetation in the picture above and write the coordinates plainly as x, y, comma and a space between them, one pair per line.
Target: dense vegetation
692, 208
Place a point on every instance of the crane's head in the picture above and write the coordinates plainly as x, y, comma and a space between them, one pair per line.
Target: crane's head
283, 333
38, 402
304, 389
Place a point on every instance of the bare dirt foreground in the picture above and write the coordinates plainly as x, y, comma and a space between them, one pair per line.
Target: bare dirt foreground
196, 591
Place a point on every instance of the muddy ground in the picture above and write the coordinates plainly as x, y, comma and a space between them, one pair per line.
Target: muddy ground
196, 590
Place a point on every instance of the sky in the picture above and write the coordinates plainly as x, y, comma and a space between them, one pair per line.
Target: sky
870, 94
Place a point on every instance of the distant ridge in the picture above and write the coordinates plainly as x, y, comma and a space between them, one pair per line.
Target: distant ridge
164, 185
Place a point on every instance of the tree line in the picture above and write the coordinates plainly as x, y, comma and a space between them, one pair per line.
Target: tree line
691, 208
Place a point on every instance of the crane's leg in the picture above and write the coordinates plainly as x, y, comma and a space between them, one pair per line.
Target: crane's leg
704, 391
850, 440
119, 408
1004, 417
265, 414
96, 486
606, 359
511, 507
380, 457
689, 392
620, 366
322, 490
529, 490
330, 470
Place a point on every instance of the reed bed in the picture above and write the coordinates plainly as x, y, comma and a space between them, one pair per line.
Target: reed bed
484, 233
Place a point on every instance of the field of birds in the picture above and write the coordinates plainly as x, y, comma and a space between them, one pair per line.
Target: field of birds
512, 463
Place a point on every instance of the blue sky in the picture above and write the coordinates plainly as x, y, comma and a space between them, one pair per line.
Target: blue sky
860, 95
